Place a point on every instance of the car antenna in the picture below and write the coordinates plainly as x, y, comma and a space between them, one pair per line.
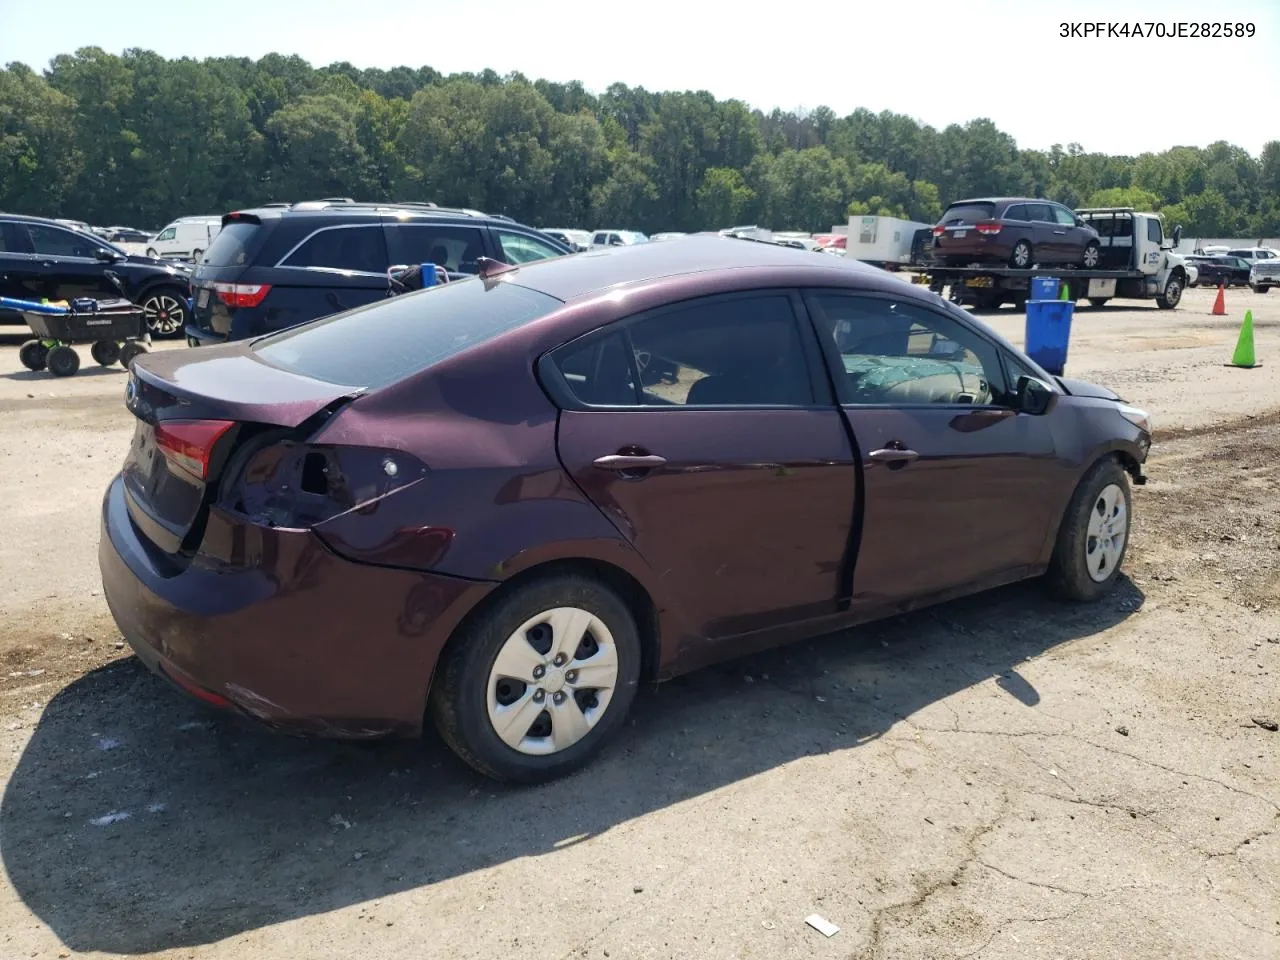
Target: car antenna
488, 267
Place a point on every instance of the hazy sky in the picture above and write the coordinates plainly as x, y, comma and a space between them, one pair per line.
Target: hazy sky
941, 61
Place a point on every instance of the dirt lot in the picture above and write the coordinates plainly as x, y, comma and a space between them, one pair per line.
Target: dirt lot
999, 777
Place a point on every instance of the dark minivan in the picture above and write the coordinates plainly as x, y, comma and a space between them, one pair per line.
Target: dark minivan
1016, 231
272, 268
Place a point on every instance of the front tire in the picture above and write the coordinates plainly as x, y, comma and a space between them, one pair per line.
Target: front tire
1172, 294
1093, 535
534, 686
1089, 259
166, 312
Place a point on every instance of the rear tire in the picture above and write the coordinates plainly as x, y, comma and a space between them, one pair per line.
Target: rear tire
472, 691
1021, 256
166, 312
1089, 259
63, 361
151, 252
1093, 535
130, 350
105, 352
33, 355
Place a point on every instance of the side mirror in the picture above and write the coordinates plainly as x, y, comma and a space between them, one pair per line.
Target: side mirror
105, 255
1035, 397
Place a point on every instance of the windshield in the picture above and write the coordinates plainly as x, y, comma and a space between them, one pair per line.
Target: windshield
425, 327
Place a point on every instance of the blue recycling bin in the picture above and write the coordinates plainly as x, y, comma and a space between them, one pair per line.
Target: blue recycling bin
1044, 288
1049, 332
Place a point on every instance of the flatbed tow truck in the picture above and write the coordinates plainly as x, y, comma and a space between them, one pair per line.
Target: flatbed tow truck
1136, 263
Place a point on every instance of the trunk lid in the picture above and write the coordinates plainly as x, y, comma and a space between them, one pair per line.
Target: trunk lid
192, 417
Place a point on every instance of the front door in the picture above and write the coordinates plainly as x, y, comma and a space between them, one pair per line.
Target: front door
728, 468
957, 487
69, 264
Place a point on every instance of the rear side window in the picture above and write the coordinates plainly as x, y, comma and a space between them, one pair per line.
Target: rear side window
379, 344
1016, 211
1039, 212
234, 245
13, 238
455, 248
599, 374
362, 249
600, 238
734, 351
968, 213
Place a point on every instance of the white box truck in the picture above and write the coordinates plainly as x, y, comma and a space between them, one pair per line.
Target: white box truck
886, 241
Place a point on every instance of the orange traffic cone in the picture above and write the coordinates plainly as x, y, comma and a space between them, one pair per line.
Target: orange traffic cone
1220, 305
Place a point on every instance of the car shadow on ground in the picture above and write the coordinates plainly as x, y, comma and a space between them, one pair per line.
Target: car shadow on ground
136, 821
36, 376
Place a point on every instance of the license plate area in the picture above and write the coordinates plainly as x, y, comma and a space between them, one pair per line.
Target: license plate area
960, 234
203, 299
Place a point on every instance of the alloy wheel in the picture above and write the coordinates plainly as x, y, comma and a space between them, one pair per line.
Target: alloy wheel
552, 681
165, 314
1108, 528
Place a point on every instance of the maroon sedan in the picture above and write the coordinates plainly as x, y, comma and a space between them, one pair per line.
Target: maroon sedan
505, 501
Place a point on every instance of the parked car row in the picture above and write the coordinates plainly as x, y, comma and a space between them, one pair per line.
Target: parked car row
1255, 267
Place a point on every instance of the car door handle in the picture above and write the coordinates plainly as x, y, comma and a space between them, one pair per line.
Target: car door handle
1062, 232
893, 456
623, 462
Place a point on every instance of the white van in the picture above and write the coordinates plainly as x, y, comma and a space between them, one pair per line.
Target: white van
187, 238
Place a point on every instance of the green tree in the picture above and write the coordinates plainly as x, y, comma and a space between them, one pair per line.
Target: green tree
722, 198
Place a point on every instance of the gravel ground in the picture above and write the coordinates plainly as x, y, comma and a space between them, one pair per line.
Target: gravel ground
1003, 776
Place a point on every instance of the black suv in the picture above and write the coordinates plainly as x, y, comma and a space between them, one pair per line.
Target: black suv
272, 268
43, 260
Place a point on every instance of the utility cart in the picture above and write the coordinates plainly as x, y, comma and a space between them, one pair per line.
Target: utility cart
116, 328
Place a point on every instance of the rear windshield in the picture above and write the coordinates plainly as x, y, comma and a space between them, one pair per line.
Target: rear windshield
378, 344
234, 244
968, 213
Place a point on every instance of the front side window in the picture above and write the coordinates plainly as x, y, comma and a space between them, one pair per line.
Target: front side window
360, 249
600, 238
56, 242
1154, 232
1064, 216
897, 353
168, 233
522, 248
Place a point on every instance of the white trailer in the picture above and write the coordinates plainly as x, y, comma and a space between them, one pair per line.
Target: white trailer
884, 241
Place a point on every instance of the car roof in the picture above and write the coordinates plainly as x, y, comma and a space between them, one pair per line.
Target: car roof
49, 221
958, 203
374, 212
573, 277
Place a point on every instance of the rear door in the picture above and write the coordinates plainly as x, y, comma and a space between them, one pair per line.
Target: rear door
21, 276
336, 268
729, 468
958, 489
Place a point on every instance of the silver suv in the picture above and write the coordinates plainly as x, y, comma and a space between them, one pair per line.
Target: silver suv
1264, 267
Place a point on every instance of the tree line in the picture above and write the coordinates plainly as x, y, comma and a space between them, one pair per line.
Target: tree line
140, 139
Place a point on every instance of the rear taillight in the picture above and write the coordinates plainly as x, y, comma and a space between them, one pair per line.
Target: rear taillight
939, 231
242, 294
188, 444
989, 228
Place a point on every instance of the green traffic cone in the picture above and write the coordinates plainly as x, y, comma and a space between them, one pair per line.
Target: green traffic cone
1065, 292
1243, 357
